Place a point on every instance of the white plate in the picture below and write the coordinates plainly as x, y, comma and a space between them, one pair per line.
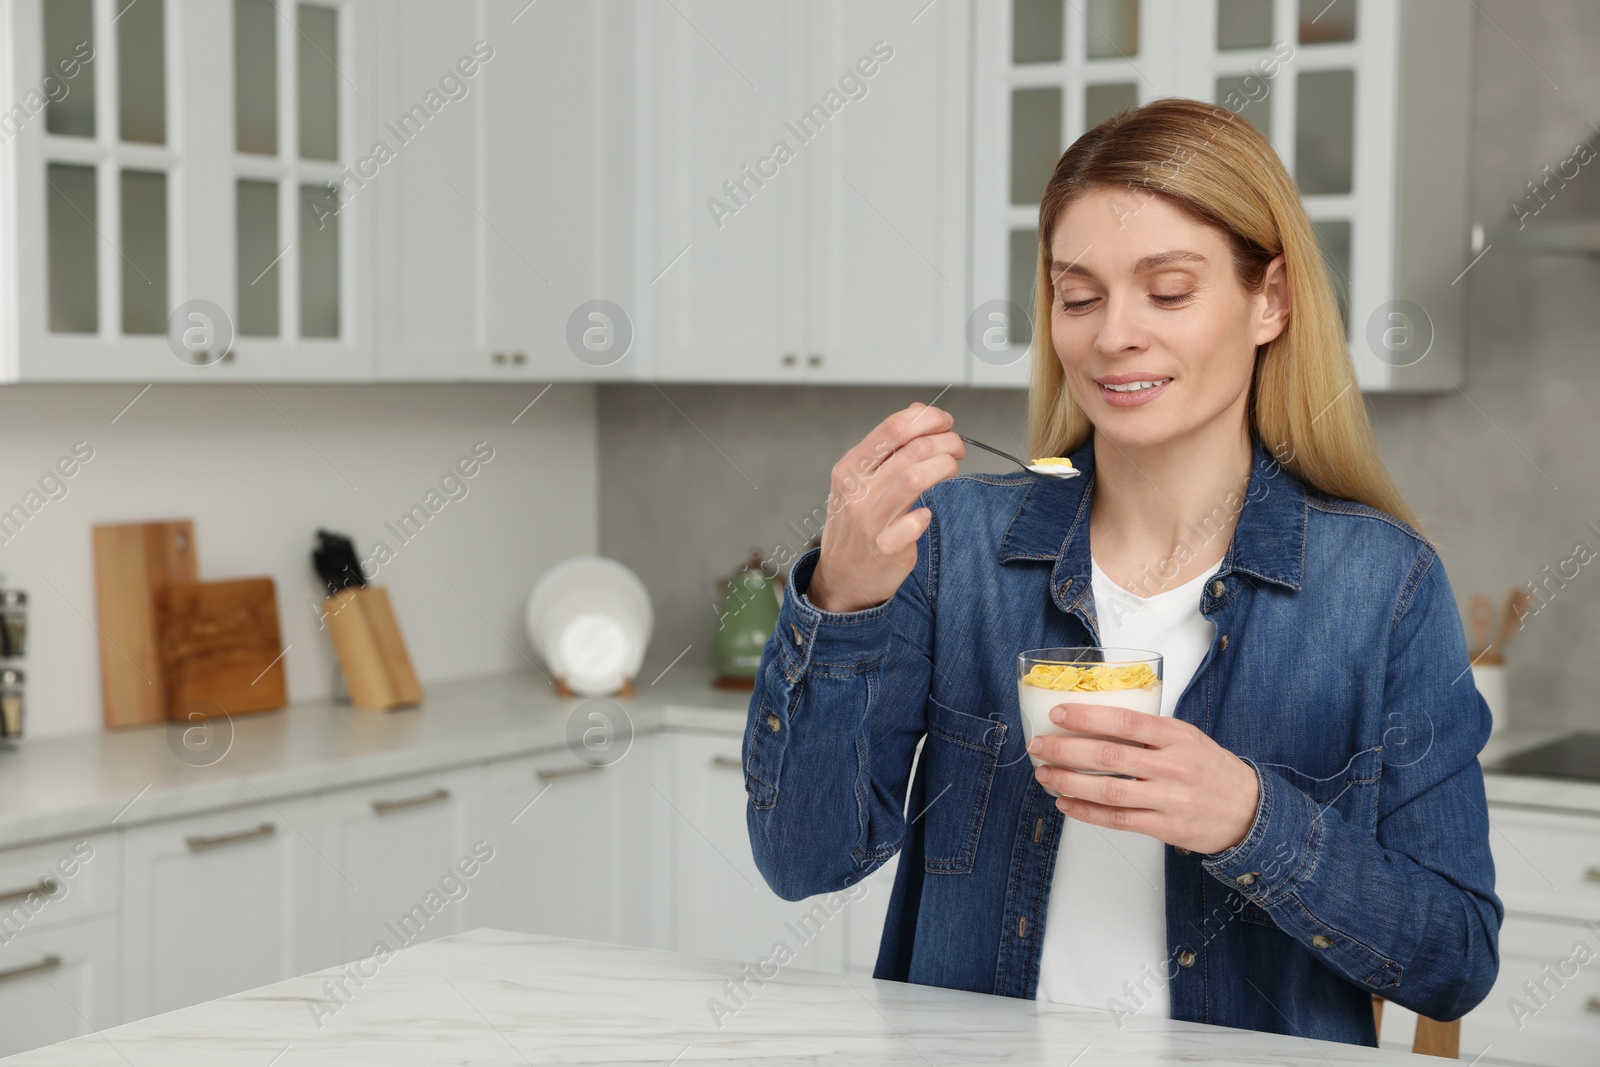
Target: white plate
589, 618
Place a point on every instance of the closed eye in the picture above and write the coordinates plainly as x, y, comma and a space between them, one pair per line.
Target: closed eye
1164, 301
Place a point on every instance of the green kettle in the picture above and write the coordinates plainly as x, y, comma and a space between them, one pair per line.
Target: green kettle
746, 615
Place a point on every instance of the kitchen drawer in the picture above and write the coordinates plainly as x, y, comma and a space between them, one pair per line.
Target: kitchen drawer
1556, 1027
1546, 863
56, 881
58, 982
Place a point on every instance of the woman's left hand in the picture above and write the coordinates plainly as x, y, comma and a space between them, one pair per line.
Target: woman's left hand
1185, 789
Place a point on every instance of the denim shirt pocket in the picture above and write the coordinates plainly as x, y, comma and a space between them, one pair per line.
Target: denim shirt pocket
961, 753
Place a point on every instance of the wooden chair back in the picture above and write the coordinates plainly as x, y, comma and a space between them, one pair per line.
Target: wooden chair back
1433, 1038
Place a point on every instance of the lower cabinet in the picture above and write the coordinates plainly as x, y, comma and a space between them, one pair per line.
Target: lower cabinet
724, 907
567, 851
57, 982
401, 862
215, 904
1544, 1009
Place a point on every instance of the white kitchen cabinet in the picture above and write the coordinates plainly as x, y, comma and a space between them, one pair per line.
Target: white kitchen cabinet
58, 982
176, 194
568, 861
724, 907
507, 208
808, 210
1544, 1009
1361, 99
396, 855
216, 903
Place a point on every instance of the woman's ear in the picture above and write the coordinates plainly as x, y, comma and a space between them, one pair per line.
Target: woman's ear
1272, 304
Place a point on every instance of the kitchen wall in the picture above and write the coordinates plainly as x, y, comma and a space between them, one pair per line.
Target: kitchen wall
259, 470
1504, 471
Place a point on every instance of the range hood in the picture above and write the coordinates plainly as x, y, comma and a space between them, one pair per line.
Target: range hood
1557, 211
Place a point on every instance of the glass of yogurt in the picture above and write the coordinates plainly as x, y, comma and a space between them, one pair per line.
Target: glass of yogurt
1117, 677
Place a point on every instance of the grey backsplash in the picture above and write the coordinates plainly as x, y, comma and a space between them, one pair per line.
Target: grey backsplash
1503, 472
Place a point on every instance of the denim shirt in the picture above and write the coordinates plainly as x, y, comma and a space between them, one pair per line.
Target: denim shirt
1338, 671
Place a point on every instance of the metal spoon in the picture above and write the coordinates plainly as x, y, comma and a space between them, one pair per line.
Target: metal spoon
1036, 468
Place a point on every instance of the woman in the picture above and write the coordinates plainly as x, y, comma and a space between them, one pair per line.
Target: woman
1304, 824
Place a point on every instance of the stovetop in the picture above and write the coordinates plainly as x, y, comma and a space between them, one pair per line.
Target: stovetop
1575, 756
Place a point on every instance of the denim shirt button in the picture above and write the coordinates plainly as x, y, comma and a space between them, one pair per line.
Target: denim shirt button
1185, 958
1322, 941
1217, 588
1248, 878
1180, 850
772, 721
1222, 644
799, 638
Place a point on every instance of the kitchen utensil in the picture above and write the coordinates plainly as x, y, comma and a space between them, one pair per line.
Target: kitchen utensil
589, 618
336, 562
1481, 615
11, 697
372, 653
1036, 468
132, 563
220, 647
746, 615
1517, 602
13, 623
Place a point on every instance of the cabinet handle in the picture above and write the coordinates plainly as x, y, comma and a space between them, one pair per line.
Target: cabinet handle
199, 843
44, 887
1593, 1004
790, 359
551, 774
384, 807
721, 760
519, 357
814, 359
48, 962
498, 357
1592, 874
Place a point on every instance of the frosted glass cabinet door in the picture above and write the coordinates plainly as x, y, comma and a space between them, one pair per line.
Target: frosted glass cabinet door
299, 172
100, 252
188, 200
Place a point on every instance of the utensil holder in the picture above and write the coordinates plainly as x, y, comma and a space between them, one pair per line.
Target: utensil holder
1490, 678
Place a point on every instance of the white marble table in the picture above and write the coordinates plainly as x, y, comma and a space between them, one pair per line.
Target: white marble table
492, 997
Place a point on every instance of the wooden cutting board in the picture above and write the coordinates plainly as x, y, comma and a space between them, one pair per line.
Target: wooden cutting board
220, 648
132, 562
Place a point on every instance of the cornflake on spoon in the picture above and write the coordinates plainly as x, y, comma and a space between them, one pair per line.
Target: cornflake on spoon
1059, 466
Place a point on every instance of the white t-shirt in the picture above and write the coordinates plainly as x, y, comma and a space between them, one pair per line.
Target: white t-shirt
1105, 927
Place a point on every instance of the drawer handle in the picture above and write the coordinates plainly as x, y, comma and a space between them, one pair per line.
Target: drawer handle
199, 843
47, 962
1592, 874
384, 807
551, 774
44, 887
1593, 1004
721, 760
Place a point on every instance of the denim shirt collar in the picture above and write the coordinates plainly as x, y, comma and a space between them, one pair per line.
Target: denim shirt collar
1052, 523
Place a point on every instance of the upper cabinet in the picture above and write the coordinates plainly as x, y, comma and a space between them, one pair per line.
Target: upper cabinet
1362, 99
809, 191
184, 205
507, 207
838, 191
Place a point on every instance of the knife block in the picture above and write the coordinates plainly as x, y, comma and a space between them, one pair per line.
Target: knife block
371, 651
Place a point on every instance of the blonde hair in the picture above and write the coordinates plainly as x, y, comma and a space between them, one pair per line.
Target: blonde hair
1217, 168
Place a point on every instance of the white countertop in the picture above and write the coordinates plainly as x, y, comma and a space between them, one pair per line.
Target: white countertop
83, 783
489, 996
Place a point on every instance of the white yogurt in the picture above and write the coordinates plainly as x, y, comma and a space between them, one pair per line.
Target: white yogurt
1037, 701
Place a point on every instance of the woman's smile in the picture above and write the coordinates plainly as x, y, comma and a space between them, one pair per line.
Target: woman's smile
1131, 390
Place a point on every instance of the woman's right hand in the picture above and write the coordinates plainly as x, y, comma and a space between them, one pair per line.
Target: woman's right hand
869, 540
